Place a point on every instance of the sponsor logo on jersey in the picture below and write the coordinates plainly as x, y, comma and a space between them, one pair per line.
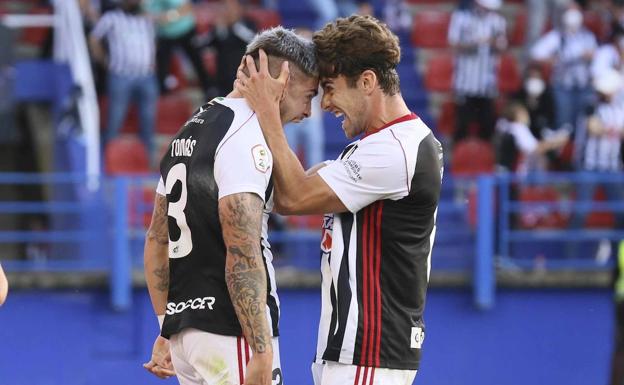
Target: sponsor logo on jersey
183, 146
326, 236
260, 158
353, 169
418, 336
194, 304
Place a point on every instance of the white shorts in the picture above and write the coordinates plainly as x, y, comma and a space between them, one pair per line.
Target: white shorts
202, 358
334, 373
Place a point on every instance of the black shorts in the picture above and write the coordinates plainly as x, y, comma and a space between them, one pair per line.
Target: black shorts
619, 326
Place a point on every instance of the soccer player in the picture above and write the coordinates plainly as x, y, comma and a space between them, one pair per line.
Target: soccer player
208, 264
4, 286
382, 193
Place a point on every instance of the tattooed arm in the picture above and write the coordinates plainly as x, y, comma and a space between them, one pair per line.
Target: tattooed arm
156, 263
241, 221
155, 257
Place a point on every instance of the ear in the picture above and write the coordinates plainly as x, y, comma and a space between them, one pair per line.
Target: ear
368, 80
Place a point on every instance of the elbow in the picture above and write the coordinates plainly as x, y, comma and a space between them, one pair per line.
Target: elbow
284, 206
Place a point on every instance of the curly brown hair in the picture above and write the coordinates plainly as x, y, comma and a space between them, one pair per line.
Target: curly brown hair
350, 46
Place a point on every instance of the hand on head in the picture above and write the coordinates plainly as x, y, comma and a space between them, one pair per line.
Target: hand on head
258, 87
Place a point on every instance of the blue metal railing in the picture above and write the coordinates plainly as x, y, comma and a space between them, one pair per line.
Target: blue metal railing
496, 231
103, 231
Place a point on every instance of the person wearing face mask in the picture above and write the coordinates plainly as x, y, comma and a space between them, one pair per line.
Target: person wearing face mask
130, 62
478, 35
536, 95
569, 49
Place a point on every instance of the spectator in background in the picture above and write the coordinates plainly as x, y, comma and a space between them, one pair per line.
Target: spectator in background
309, 134
536, 96
130, 62
517, 148
478, 35
569, 49
610, 55
176, 29
600, 144
328, 10
229, 39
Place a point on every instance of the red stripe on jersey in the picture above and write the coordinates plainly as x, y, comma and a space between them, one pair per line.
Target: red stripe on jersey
357, 376
378, 282
365, 376
372, 376
240, 360
371, 260
365, 242
247, 352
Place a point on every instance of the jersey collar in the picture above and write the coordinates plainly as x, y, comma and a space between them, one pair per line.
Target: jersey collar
404, 118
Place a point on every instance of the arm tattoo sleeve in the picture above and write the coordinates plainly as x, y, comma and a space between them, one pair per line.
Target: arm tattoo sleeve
241, 221
158, 232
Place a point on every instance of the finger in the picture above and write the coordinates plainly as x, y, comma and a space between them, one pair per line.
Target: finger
240, 74
149, 365
163, 373
264, 62
238, 85
251, 66
284, 73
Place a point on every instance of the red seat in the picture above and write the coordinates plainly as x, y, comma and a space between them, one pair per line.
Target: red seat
594, 22
176, 68
312, 222
263, 18
36, 35
173, 111
447, 120
430, 29
472, 157
537, 217
600, 219
209, 58
126, 154
517, 36
439, 73
509, 79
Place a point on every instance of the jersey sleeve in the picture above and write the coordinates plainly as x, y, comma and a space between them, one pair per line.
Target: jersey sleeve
243, 164
102, 27
160, 189
375, 171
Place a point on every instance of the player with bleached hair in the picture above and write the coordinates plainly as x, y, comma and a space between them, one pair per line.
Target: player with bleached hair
208, 263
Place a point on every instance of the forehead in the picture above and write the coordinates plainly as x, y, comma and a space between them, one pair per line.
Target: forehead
337, 81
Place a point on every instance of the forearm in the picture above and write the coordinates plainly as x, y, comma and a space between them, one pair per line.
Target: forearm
241, 222
156, 263
156, 256
248, 291
97, 51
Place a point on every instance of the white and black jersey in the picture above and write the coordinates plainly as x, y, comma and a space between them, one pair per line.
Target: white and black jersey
571, 68
375, 259
603, 152
131, 42
475, 70
219, 151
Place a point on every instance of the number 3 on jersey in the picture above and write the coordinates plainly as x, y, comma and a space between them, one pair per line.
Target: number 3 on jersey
183, 245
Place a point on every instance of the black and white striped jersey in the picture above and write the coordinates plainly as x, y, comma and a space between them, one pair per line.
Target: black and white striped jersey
219, 151
571, 68
603, 152
131, 42
376, 258
475, 70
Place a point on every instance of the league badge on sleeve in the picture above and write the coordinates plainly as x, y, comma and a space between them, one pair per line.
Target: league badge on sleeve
261, 158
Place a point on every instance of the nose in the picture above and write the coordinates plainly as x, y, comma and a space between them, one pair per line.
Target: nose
308, 111
325, 101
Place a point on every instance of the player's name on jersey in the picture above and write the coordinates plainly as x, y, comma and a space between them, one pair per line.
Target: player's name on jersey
183, 146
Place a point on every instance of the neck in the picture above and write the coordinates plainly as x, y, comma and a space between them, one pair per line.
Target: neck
234, 94
384, 110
